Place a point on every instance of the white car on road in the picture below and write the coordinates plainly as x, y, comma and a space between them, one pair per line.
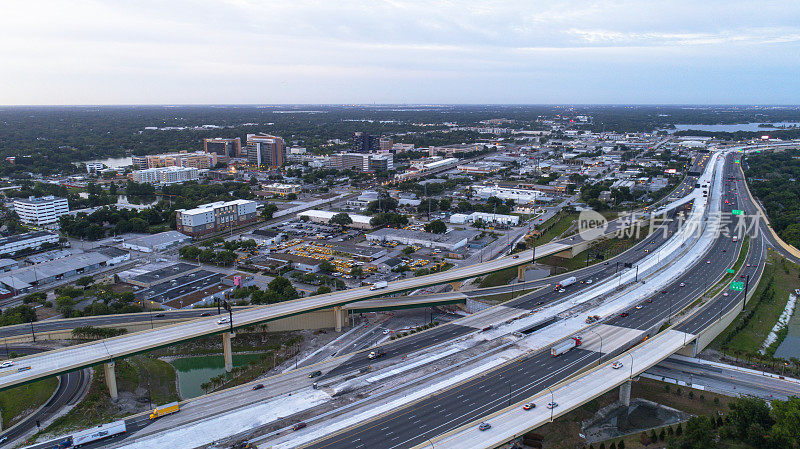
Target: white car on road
6, 364
616, 365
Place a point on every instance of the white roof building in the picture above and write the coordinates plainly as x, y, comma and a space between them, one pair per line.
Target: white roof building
324, 216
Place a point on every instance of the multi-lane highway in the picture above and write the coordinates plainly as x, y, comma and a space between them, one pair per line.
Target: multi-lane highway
725, 379
504, 386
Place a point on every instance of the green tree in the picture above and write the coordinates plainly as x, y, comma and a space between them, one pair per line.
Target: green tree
357, 271
84, 281
322, 290
436, 227
326, 267
268, 211
342, 219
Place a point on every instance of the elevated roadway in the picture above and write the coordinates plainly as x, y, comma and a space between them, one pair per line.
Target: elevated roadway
106, 351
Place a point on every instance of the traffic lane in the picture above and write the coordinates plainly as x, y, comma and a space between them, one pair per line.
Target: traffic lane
54, 325
68, 392
463, 403
729, 381
721, 304
671, 299
598, 272
401, 347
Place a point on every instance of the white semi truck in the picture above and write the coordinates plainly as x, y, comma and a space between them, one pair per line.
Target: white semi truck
566, 282
565, 346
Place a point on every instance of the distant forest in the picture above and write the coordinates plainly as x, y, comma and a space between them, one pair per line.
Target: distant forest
49, 139
774, 177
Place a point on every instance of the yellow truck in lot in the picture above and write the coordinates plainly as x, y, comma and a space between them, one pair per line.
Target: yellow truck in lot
158, 412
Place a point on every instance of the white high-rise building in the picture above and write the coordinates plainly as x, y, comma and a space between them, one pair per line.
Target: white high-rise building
41, 211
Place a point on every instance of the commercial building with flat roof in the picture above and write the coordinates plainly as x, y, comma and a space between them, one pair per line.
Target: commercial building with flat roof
510, 193
156, 242
449, 241
213, 217
324, 216
281, 189
29, 240
21, 279
485, 217
41, 211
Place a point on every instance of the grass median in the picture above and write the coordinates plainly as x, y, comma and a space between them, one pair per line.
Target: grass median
18, 402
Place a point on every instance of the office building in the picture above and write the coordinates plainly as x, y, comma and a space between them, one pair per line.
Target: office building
364, 143
225, 149
281, 189
215, 216
166, 175
197, 160
362, 162
381, 162
265, 150
41, 211
386, 144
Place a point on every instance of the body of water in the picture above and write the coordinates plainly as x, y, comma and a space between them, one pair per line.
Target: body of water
113, 162
733, 128
194, 371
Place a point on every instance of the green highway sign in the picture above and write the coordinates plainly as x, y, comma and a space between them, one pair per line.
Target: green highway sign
738, 286
737, 161
730, 271
737, 212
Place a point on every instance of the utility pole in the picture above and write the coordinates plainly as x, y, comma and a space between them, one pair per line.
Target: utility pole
746, 285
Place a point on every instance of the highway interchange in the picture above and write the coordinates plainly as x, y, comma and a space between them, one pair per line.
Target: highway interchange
506, 385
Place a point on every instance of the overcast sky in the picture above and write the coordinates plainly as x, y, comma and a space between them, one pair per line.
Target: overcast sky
397, 51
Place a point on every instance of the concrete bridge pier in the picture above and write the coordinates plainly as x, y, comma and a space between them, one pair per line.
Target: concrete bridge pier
339, 318
625, 394
521, 273
111, 380
226, 349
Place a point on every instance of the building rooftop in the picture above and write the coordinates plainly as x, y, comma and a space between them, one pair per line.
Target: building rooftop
22, 237
163, 273
39, 200
450, 237
162, 238
32, 274
203, 208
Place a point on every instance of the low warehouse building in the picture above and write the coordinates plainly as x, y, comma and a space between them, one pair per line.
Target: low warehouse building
156, 242
324, 216
449, 241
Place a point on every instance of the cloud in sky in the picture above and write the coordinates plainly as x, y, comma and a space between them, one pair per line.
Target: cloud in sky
465, 51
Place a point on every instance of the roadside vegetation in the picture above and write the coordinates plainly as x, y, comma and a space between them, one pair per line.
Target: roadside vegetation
744, 337
18, 402
142, 381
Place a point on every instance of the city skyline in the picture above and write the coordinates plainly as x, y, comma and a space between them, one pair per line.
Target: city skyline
242, 52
